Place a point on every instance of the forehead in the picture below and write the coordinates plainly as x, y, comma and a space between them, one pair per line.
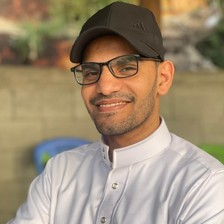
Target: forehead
108, 45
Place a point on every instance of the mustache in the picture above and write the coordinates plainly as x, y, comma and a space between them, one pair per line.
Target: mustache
121, 96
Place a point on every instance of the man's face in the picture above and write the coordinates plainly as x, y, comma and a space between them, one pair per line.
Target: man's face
120, 106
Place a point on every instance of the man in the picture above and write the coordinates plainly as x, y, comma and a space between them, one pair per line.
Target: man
138, 173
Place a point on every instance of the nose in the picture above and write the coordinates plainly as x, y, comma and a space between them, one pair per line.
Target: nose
108, 83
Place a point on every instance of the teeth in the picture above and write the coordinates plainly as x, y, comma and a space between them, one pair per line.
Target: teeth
112, 104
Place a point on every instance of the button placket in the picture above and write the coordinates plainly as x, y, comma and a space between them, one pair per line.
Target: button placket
103, 220
115, 186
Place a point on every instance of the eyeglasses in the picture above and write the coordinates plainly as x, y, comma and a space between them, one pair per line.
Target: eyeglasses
120, 67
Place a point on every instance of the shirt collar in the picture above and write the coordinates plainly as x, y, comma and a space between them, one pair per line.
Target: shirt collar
145, 149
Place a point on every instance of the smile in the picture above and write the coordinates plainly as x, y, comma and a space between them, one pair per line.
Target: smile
112, 104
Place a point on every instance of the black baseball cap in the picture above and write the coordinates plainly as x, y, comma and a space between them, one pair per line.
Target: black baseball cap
134, 23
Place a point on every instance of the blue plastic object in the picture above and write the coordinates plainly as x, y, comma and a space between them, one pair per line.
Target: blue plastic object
49, 148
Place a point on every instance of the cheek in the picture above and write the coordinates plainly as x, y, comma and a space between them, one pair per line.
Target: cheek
142, 87
146, 89
85, 95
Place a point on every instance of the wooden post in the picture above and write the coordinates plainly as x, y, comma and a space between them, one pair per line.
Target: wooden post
154, 6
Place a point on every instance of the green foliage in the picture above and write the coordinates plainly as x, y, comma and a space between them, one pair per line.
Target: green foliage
216, 151
213, 46
71, 11
30, 44
222, 4
44, 158
65, 16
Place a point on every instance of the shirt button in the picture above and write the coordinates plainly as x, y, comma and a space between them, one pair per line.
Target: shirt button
115, 185
103, 220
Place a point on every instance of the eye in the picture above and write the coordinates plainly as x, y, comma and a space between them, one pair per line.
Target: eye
89, 73
127, 69
125, 66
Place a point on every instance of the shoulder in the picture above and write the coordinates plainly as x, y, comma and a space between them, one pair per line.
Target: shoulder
204, 180
201, 178
192, 166
70, 161
190, 153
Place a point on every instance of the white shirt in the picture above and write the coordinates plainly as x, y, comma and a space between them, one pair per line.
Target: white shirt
160, 180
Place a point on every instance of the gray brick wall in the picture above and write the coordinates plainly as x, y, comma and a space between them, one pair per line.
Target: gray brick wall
194, 108
40, 104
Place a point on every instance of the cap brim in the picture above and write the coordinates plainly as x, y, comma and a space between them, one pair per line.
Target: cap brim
86, 37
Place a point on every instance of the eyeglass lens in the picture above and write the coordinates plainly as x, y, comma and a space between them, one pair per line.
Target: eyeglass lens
120, 67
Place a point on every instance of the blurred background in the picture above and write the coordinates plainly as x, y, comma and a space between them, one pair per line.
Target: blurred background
40, 100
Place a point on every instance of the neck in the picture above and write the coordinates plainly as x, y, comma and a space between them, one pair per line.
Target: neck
130, 138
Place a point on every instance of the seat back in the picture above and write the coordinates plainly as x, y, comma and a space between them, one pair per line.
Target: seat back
49, 148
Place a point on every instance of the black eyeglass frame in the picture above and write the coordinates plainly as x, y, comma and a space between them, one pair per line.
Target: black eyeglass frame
107, 63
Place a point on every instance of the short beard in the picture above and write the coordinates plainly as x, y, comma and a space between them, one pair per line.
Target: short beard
131, 122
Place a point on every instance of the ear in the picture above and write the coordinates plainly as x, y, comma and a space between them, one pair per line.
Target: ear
165, 77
